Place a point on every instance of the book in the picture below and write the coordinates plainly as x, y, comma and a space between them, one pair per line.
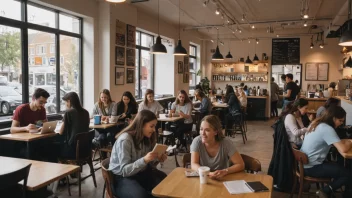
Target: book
241, 187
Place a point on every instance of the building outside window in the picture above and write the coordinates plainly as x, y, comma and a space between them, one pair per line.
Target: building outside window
144, 64
44, 29
192, 66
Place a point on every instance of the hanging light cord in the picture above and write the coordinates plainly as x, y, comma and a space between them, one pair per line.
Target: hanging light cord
158, 18
179, 20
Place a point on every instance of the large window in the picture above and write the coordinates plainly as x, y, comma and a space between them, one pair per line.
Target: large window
144, 64
51, 48
192, 66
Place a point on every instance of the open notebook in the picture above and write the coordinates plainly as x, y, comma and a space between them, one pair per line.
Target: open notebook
241, 186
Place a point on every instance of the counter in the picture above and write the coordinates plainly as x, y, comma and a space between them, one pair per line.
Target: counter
347, 106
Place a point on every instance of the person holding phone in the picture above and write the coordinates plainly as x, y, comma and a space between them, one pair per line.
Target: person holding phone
150, 104
212, 149
132, 161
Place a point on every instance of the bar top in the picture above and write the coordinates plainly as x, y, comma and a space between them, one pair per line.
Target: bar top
343, 98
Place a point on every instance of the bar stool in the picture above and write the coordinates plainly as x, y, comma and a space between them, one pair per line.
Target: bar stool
237, 127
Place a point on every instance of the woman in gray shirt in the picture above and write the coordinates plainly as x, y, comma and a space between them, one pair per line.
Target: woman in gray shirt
132, 160
211, 148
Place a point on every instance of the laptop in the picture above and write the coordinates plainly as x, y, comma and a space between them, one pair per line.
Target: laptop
48, 127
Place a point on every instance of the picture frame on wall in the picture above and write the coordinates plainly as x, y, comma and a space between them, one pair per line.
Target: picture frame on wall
130, 76
131, 36
186, 77
131, 57
180, 67
120, 33
119, 75
318, 71
120, 56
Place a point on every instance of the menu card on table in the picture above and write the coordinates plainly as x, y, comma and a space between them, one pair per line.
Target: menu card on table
241, 187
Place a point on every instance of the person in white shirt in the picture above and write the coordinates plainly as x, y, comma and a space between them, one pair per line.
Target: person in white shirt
242, 97
150, 104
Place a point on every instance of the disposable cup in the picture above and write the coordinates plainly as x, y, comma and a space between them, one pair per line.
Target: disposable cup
203, 174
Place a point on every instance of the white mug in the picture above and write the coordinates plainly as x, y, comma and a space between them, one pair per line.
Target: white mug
113, 119
203, 172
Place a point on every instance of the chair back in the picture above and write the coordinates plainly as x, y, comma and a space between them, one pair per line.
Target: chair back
108, 176
251, 164
11, 179
186, 159
300, 159
84, 145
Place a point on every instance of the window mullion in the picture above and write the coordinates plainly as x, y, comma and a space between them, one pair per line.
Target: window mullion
57, 58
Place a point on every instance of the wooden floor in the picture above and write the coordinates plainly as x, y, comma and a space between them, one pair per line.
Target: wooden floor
259, 145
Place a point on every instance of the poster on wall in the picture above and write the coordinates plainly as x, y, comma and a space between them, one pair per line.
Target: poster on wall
323, 71
317, 71
120, 56
311, 71
180, 67
130, 75
186, 77
131, 36
119, 75
120, 33
131, 57
186, 64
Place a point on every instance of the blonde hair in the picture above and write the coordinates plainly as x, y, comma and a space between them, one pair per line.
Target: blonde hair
215, 124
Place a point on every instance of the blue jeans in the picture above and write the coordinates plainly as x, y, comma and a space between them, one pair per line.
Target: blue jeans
139, 185
340, 175
284, 104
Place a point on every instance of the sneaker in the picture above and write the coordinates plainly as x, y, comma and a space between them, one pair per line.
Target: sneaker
321, 194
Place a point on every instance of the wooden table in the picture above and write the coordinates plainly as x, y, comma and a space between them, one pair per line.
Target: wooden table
102, 126
29, 138
219, 105
176, 184
41, 174
163, 118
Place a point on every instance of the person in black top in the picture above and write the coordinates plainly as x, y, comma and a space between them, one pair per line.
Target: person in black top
234, 108
76, 120
291, 90
127, 106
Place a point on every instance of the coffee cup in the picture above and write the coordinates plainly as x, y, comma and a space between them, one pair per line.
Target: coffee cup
203, 172
113, 119
97, 119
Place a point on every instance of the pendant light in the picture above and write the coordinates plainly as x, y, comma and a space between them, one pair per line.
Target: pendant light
158, 47
115, 1
217, 55
229, 56
255, 58
346, 37
311, 43
248, 61
179, 50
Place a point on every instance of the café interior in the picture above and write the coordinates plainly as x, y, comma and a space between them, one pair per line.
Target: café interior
258, 53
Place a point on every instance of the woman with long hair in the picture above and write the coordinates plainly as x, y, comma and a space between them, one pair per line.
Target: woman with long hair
150, 104
234, 107
76, 120
293, 120
127, 106
328, 103
104, 106
316, 145
242, 97
205, 105
182, 107
132, 161
211, 148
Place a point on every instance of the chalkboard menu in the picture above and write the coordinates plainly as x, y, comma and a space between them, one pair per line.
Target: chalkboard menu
285, 51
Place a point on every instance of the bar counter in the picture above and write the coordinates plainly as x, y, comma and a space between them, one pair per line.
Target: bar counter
347, 106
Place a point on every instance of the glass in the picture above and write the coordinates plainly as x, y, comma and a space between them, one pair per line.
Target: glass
146, 71
41, 74
192, 80
10, 65
146, 40
137, 75
192, 50
69, 23
69, 67
138, 41
10, 9
41, 16
192, 64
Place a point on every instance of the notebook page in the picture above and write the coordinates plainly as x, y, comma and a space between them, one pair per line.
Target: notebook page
237, 187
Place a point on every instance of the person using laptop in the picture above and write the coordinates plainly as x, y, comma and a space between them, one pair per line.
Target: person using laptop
76, 120
31, 115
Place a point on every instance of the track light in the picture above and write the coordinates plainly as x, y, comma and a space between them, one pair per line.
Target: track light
257, 41
305, 16
212, 40
249, 41
205, 3
222, 16
252, 27
233, 32
217, 11
277, 36
305, 24
311, 43
228, 21
240, 31
321, 45
222, 43
243, 17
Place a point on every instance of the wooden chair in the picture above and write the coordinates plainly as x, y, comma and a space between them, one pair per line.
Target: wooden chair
108, 178
251, 164
9, 186
301, 159
238, 127
83, 156
186, 159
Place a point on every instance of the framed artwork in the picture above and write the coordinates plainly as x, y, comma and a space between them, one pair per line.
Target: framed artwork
130, 76
317, 72
131, 36
120, 33
119, 75
186, 77
186, 60
180, 67
120, 56
131, 57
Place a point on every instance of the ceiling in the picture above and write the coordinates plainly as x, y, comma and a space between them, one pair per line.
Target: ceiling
284, 16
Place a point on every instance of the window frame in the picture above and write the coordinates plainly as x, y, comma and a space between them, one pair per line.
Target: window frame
139, 48
195, 66
24, 26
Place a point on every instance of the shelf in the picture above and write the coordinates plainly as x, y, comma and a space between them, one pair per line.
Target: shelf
233, 73
237, 62
239, 81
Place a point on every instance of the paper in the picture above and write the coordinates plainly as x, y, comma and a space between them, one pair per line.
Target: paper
237, 187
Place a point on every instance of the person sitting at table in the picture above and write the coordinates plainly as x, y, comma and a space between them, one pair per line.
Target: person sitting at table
150, 104
330, 102
212, 149
127, 106
205, 105
233, 105
31, 115
132, 161
105, 108
76, 120
242, 97
293, 121
182, 107
316, 145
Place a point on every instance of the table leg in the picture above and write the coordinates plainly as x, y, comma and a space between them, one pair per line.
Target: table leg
29, 150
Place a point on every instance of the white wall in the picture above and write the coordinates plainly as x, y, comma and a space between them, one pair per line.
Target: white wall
164, 72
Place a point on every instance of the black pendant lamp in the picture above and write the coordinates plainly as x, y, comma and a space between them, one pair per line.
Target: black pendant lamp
229, 55
248, 61
158, 47
349, 62
217, 55
346, 37
179, 50
255, 58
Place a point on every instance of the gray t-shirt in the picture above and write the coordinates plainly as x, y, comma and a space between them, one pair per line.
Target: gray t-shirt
316, 144
320, 111
186, 109
154, 107
221, 160
294, 131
